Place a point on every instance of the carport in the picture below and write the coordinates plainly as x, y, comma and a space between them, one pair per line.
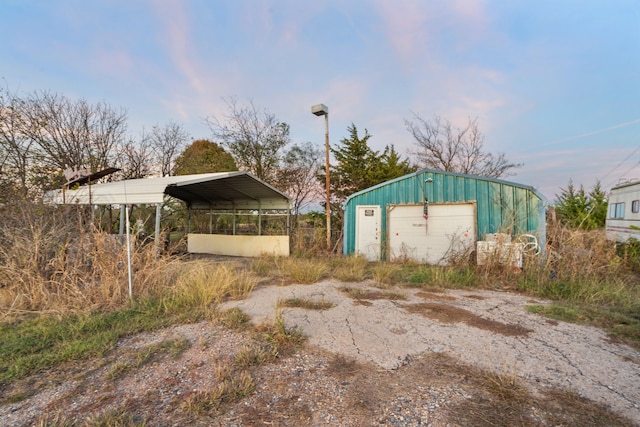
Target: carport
227, 192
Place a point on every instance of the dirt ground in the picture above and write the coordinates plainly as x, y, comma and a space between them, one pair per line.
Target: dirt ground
397, 357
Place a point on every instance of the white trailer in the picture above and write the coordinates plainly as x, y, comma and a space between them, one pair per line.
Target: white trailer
623, 215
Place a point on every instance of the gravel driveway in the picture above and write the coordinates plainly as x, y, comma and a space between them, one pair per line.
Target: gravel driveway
489, 329
396, 357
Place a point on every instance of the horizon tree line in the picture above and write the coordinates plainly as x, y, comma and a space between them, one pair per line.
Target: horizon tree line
42, 134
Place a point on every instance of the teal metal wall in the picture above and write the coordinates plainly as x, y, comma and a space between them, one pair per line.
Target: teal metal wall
501, 206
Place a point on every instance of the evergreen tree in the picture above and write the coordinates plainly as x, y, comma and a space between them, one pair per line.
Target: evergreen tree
577, 209
358, 167
392, 166
598, 206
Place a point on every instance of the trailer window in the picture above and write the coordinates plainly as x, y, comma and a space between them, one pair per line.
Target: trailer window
616, 210
635, 206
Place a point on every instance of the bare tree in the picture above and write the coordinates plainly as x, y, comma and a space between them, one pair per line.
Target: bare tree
167, 142
442, 146
136, 158
15, 147
74, 134
298, 175
254, 138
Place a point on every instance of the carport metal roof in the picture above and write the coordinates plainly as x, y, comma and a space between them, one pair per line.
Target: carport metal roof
223, 190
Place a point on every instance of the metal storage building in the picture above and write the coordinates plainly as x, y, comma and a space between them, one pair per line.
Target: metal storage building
430, 214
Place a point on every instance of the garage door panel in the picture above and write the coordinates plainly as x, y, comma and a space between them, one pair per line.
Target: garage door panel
450, 228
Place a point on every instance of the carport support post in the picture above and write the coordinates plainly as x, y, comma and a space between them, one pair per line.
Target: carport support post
122, 208
234, 220
129, 269
210, 220
157, 233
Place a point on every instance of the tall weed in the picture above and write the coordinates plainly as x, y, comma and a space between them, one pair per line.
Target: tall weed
49, 263
582, 267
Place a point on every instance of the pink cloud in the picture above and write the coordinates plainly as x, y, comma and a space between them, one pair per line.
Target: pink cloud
406, 26
175, 21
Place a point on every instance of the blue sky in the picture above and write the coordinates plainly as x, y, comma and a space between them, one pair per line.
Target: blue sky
554, 84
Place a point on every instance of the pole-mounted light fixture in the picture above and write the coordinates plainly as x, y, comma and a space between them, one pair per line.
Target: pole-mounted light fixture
323, 110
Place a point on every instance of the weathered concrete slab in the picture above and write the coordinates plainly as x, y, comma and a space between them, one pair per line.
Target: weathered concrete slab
485, 328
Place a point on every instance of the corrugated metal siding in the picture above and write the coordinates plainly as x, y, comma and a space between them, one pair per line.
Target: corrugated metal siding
501, 205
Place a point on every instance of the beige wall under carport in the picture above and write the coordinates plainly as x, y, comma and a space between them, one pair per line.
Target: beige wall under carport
249, 246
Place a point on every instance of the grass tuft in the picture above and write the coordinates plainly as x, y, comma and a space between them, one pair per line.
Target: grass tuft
254, 355
283, 340
366, 294
385, 273
203, 284
302, 270
350, 269
234, 318
231, 389
306, 304
506, 387
434, 277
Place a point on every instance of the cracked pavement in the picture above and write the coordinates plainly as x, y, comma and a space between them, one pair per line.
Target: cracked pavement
385, 332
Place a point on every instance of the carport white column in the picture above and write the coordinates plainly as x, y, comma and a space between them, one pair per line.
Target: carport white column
157, 231
210, 220
122, 208
234, 220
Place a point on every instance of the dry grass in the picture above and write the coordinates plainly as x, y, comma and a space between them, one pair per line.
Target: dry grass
284, 341
47, 266
385, 274
306, 304
234, 318
204, 284
367, 294
582, 267
303, 270
506, 386
233, 376
350, 269
232, 386
264, 266
253, 355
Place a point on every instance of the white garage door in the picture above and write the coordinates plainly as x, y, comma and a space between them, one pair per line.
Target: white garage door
450, 230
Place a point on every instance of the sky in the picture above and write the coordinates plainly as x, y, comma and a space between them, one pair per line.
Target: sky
553, 84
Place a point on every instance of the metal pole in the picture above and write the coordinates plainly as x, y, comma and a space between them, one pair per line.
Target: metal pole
328, 206
129, 269
156, 234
